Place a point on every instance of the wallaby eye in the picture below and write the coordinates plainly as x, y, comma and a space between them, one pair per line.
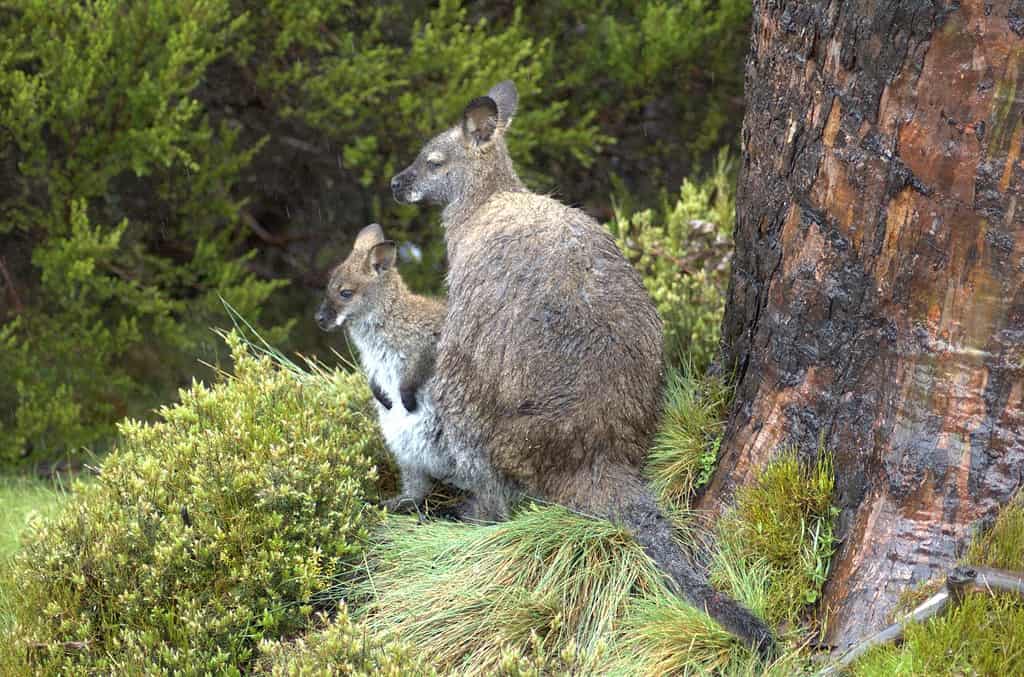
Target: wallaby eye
345, 294
435, 160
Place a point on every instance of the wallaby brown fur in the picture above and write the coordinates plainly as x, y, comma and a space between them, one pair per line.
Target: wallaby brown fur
550, 358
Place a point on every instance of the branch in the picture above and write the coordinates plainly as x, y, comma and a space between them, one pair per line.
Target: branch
959, 582
15, 299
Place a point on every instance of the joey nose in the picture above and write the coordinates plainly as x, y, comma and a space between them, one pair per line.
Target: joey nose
321, 317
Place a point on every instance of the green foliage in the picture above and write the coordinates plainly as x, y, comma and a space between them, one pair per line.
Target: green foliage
122, 194
683, 252
205, 532
341, 647
23, 500
783, 526
685, 451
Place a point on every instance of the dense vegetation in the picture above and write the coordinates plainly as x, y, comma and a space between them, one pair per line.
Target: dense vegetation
158, 155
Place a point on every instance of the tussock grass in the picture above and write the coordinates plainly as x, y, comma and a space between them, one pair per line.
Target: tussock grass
1002, 546
685, 451
983, 636
466, 596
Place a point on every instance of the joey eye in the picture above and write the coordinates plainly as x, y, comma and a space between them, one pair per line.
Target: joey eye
345, 294
435, 161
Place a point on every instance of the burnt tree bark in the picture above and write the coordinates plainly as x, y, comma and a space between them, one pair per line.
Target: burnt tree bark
877, 297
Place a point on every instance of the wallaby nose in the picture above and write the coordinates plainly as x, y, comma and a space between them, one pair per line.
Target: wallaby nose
321, 317
396, 182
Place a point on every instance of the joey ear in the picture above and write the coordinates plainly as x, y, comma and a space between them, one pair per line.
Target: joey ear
480, 120
370, 235
382, 256
506, 98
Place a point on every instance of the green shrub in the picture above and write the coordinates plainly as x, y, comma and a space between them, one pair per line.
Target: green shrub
782, 526
683, 253
685, 451
206, 532
341, 647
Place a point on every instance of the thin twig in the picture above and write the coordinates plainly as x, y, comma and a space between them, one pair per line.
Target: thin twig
9, 281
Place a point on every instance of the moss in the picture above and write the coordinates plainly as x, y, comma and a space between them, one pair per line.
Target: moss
783, 524
204, 533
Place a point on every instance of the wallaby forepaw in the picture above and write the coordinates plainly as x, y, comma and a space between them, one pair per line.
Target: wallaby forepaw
402, 504
409, 400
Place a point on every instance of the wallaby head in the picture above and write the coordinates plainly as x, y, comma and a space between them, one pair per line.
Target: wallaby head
358, 283
468, 159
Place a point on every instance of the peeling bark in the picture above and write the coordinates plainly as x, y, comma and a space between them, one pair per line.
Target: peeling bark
877, 296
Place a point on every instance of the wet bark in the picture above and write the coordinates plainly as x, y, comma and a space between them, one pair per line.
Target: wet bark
877, 297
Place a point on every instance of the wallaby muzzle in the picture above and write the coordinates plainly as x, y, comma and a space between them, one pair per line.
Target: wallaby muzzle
401, 183
325, 316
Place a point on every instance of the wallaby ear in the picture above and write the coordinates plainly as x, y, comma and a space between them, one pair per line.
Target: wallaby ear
370, 235
382, 256
506, 97
480, 120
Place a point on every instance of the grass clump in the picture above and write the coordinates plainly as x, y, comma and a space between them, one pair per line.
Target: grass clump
1002, 546
984, 635
204, 533
340, 647
546, 588
685, 451
783, 526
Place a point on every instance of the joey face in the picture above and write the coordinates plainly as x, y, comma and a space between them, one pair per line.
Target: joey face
447, 164
353, 291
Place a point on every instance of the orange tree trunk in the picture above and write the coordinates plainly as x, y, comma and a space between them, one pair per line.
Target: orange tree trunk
877, 296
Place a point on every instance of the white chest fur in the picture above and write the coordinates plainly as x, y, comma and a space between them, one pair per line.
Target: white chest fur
409, 435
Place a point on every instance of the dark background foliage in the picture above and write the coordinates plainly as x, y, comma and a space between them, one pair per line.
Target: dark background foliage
156, 157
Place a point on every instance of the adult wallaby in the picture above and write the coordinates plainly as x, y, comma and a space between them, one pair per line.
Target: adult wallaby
396, 333
550, 357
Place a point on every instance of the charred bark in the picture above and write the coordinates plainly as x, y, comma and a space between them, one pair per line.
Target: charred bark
877, 297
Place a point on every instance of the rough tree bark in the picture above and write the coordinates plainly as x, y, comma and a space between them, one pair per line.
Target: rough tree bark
877, 297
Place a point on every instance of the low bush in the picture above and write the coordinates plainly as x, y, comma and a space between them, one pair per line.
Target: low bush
205, 532
683, 252
340, 647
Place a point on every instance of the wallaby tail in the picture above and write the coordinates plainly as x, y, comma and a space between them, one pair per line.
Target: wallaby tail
653, 531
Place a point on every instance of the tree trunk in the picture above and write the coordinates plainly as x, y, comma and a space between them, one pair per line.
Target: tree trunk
877, 297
